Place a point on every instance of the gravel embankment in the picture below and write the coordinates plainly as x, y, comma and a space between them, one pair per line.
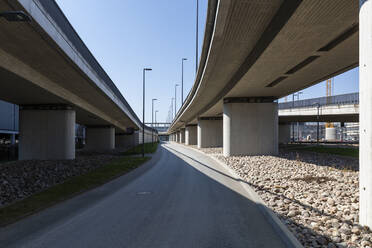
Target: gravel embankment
20, 179
315, 195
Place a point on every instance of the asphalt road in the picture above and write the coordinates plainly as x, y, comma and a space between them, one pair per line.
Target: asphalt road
185, 199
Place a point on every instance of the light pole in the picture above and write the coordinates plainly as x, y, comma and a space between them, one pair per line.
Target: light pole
298, 126
173, 116
197, 38
317, 125
15, 16
293, 98
175, 100
293, 139
183, 59
143, 110
156, 122
155, 117
152, 120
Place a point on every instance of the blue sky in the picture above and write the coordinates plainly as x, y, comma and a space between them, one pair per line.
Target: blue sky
127, 35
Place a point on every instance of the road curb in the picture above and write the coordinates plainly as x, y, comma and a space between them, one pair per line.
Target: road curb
285, 234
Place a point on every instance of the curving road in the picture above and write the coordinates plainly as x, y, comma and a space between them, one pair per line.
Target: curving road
181, 199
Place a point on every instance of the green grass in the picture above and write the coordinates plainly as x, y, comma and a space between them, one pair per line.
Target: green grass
343, 151
68, 189
149, 148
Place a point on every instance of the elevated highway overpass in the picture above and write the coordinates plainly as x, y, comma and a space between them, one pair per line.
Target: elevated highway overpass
339, 108
255, 52
48, 71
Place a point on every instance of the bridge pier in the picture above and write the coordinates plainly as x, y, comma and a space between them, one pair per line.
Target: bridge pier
177, 135
46, 132
330, 134
191, 135
124, 140
100, 138
284, 133
182, 135
250, 126
210, 132
365, 113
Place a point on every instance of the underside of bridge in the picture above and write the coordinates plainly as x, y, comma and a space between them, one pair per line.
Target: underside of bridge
258, 51
255, 52
47, 70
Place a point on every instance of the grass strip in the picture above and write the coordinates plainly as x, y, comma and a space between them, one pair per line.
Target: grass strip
149, 148
343, 151
68, 189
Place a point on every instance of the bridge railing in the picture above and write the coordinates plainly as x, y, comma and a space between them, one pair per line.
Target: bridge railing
352, 98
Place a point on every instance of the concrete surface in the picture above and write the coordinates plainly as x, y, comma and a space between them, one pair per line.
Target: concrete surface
245, 55
184, 200
100, 138
330, 113
210, 132
182, 135
125, 140
191, 135
284, 133
250, 128
330, 134
365, 101
46, 133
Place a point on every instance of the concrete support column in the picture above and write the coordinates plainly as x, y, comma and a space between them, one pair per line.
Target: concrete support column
46, 132
138, 137
210, 132
125, 140
330, 134
178, 136
365, 112
250, 126
284, 133
191, 135
100, 138
182, 135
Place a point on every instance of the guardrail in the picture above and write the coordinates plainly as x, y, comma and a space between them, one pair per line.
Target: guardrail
352, 98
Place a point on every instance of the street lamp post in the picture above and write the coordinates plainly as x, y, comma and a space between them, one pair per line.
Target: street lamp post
156, 122
155, 118
175, 100
173, 116
183, 59
317, 125
152, 120
293, 98
293, 139
143, 110
298, 126
197, 37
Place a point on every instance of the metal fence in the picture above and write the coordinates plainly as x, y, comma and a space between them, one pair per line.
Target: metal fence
352, 98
